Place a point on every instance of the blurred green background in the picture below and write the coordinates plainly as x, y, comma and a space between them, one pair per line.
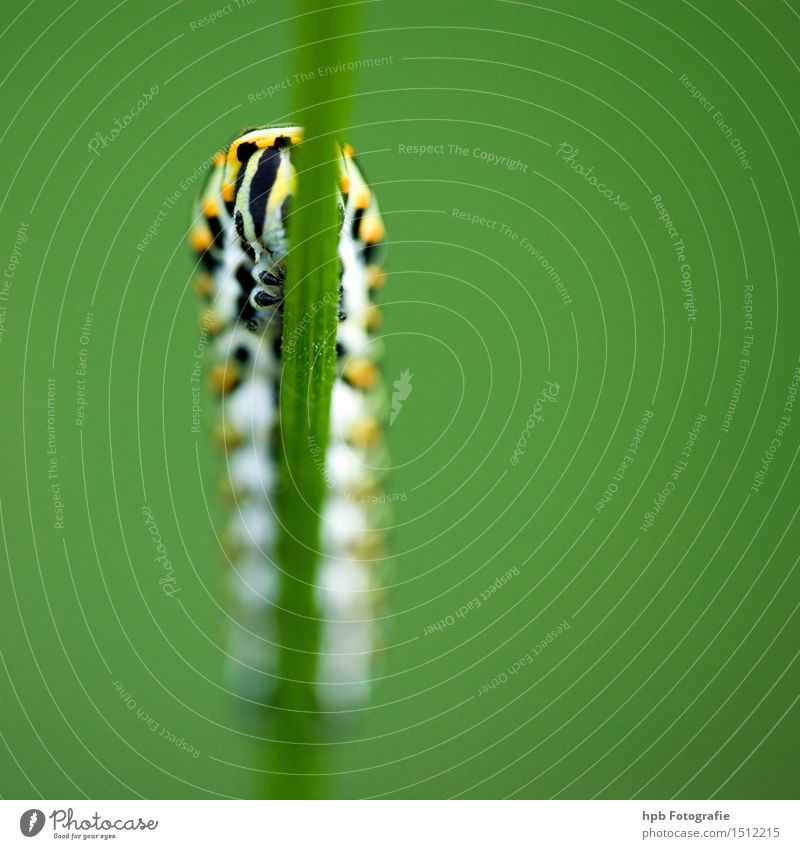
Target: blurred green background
677, 675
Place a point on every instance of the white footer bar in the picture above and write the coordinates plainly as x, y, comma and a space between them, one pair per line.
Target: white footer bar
401, 824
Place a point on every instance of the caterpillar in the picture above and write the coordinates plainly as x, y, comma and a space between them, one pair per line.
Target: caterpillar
239, 236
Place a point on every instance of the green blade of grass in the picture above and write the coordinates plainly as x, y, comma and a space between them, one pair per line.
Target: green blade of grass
309, 358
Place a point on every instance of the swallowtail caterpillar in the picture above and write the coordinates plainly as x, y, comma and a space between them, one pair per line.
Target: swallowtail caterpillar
239, 233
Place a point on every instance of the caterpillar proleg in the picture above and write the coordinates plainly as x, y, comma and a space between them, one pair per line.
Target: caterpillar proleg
239, 233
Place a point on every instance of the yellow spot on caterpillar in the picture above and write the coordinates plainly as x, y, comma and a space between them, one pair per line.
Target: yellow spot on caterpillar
376, 276
232, 549
227, 493
344, 183
374, 317
365, 488
210, 207
372, 229
348, 150
362, 196
365, 432
201, 237
378, 594
370, 546
227, 437
223, 377
361, 373
284, 185
211, 321
204, 285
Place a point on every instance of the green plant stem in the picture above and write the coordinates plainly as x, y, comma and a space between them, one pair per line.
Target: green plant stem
309, 360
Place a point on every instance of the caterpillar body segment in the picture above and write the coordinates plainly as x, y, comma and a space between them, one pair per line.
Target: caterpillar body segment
239, 233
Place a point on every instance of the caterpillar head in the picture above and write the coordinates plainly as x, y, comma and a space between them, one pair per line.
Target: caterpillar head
258, 183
